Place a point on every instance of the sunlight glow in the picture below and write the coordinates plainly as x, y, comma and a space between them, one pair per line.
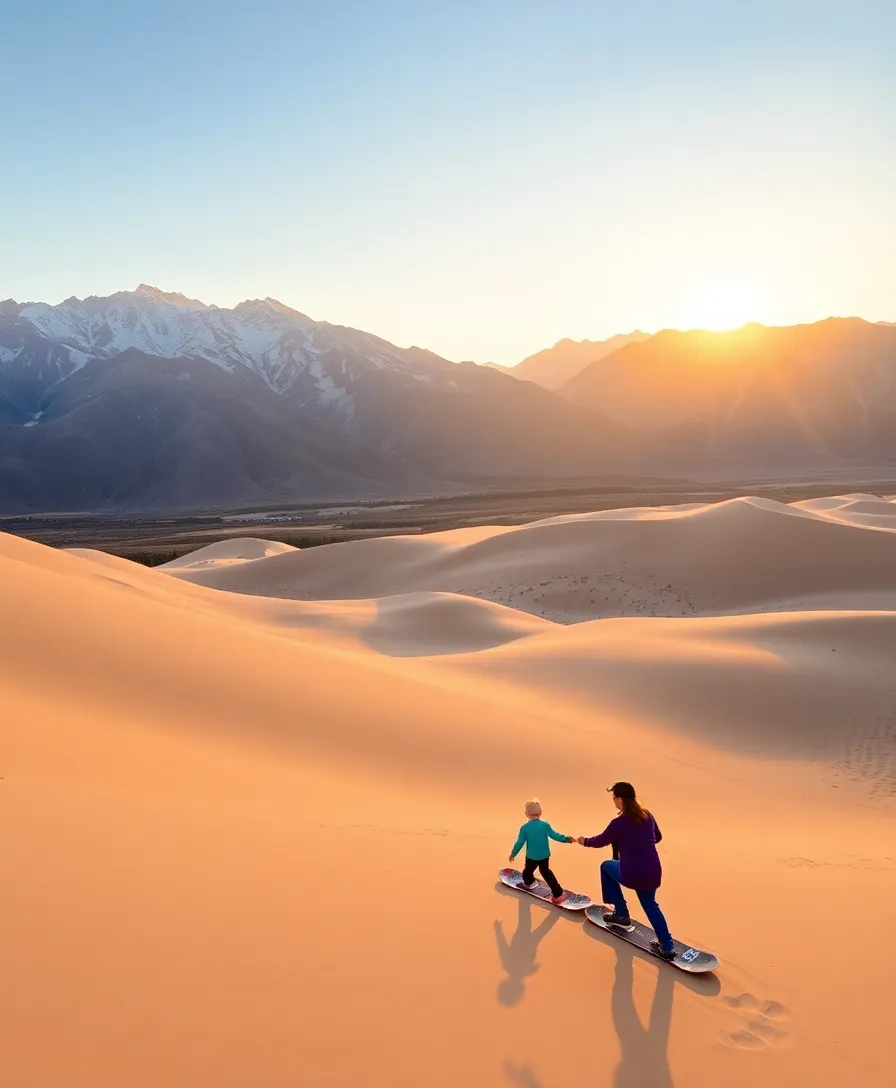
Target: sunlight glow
720, 308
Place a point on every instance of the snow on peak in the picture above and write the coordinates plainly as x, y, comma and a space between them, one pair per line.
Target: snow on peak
270, 306
146, 290
279, 344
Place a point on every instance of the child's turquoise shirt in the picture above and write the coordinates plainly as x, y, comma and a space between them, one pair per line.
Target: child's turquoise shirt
535, 834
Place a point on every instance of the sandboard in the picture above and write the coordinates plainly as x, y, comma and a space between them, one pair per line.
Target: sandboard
688, 958
513, 878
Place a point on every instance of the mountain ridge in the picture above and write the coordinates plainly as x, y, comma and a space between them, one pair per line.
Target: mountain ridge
150, 398
68, 371
821, 392
553, 367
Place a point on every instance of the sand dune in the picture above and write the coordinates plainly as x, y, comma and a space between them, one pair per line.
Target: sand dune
409, 624
866, 510
828, 691
745, 555
228, 552
252, 839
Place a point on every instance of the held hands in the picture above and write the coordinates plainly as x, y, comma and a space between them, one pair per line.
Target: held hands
581, 840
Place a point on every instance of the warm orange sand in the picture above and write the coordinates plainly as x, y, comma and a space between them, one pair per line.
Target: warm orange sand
250, 838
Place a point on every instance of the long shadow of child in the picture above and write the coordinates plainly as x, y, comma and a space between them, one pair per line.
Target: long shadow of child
518, 954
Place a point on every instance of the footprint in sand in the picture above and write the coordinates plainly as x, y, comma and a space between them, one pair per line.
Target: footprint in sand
746, 1040
760, 1022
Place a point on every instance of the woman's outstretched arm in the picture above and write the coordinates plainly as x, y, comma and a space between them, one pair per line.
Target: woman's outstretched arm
603, 839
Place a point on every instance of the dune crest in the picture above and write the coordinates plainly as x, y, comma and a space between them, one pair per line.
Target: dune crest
743, 555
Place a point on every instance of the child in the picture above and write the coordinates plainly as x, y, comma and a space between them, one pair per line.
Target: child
535, 834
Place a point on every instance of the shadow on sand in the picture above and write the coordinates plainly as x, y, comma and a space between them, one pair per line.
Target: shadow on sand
522, 1075
644, 1061
518, 955
645, 1047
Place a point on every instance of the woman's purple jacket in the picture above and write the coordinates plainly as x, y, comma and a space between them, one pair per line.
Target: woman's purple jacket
635, 844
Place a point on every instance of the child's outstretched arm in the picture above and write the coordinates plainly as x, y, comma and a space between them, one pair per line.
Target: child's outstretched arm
557, 836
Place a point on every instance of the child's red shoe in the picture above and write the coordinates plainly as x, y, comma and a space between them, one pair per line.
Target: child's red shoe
558, 898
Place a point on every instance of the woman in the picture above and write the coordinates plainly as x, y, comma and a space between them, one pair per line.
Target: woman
633, 836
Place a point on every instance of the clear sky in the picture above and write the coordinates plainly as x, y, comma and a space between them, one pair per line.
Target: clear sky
479, 177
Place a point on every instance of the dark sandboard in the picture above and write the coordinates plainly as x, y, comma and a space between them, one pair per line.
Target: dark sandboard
513, 878
687, 958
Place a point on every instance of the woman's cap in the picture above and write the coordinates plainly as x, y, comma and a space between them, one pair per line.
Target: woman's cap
625, 791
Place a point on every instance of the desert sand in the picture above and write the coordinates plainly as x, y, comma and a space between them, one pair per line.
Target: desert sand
255, 803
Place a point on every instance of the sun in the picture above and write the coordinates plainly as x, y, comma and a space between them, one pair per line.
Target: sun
719, 308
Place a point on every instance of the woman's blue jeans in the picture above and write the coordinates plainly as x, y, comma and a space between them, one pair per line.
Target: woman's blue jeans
611, 890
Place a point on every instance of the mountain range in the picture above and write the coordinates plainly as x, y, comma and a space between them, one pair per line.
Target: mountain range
554, 367
149, 399
802, 397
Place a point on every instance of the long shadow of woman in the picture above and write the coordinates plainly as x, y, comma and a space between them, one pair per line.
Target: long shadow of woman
645, 1059
518, 954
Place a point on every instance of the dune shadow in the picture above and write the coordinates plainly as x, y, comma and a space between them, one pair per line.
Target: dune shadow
436, 625
518, 955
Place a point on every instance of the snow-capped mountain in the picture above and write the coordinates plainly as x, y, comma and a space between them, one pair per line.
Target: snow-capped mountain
290, 352
149, 398
264, 378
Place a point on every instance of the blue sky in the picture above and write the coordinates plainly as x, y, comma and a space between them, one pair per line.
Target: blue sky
481, 179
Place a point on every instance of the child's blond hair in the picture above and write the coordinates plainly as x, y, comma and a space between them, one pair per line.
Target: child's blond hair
533, 807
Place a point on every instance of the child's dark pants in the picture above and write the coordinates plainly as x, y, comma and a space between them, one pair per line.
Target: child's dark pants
544, 867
